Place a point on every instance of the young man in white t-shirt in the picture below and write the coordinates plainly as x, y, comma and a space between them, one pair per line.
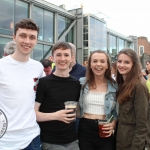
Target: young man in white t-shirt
19, 77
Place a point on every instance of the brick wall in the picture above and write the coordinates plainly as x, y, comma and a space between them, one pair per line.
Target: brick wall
143, 41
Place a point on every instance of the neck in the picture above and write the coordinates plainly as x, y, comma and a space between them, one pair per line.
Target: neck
61, 73
100, 80
19, 57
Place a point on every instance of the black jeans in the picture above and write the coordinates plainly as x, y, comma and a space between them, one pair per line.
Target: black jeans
88, 136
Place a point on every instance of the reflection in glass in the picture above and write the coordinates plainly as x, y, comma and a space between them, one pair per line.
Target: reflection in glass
85, 29
121, 44
92, 30
85, 20
21, 10
113, 45
85, 36
61, 24
92, 21
98, 46
3, 42
48, 26
92, 44
69, 36
38, 52
6, 16
38, 18
92, 37
47, 48
98, 24
104, 48
85, 43
98, 39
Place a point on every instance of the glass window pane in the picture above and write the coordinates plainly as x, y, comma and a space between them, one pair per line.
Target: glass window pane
38, 18
92, 44
92, 30
86, 20
47, 48
3, 42
92, 21
85, 29
38, 52
85, 36
21, 10
98, 24
69, 37
48, 26
98, 46
92, 37
61, 24
104, 48
85, 43
6, 16
98, 39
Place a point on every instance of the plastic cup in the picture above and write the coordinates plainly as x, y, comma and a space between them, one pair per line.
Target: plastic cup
101, 123
71, 105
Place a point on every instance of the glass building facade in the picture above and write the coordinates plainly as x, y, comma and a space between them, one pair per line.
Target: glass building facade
52, 22
117, 42
87, 32
94, 35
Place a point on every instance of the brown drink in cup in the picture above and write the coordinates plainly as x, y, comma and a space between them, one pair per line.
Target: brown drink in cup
71, 105
101, 123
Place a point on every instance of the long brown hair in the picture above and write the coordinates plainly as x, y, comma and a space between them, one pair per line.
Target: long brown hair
90, 75
126, 87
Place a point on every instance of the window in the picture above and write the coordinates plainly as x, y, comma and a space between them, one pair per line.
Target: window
21, 10
141, 50
6, 16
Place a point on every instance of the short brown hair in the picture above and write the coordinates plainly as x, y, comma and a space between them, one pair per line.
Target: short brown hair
61, 45
26, 24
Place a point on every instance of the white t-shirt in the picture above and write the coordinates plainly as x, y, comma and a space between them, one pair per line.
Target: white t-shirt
18, 81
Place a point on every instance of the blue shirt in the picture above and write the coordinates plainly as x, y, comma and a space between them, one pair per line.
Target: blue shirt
78, 71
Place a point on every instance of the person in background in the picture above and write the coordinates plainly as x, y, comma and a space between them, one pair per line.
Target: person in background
148, 67
85, 63
19, 77
47, 66
57, 129
97, 102
53, 64
77, 71
9, 48
132, 96
113, 70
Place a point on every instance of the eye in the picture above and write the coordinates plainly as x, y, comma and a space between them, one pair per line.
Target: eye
119, 61
23, 36
32, 37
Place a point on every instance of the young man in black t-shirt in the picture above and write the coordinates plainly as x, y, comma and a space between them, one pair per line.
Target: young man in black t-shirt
57, 130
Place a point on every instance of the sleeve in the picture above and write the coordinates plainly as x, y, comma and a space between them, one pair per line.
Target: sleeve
40, 93
141, 114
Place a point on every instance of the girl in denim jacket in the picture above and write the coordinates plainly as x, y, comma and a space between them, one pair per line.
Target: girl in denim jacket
97, 102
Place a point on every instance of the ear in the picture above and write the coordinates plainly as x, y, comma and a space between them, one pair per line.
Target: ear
52, 58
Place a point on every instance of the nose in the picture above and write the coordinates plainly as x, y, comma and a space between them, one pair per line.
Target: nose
27, 40
62, 57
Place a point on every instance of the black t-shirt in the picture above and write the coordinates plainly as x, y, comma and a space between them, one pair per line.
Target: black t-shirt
52, 92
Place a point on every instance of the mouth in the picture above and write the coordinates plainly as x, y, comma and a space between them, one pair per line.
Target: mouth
98, 69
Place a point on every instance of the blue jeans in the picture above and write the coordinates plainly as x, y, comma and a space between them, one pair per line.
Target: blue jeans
35, 144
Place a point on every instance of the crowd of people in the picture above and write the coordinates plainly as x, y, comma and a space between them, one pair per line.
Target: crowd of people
32, 102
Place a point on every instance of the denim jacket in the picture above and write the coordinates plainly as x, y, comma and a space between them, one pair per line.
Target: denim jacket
110, 99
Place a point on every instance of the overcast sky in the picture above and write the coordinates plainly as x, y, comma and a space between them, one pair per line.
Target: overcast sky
128, 17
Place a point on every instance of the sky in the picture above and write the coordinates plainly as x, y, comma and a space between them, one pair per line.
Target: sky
127, 17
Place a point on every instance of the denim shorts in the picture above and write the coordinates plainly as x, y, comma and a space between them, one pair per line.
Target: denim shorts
69, 146
35, 144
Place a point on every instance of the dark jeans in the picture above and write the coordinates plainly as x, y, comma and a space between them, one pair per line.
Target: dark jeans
77, 123
35, 144
88, 136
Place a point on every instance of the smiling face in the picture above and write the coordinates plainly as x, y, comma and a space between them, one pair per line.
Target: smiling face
148, 66
124, 65
62, 59
99, 64
25, 40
